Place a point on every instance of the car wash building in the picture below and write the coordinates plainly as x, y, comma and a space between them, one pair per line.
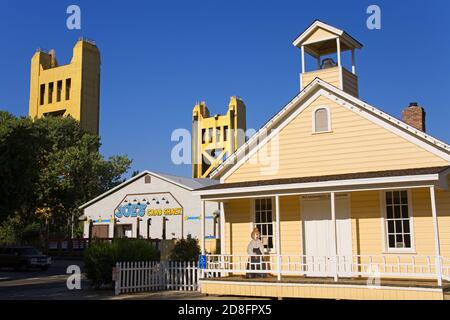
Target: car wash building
151, 206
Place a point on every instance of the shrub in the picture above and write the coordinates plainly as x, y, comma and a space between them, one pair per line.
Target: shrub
9, 231
101, 257
14, 231
186, 250
31, 234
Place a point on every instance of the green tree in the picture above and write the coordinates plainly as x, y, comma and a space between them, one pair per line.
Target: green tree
49, 167
20, 149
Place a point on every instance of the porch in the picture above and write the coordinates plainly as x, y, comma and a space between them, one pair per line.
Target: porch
401, 277
292, 287
385, 233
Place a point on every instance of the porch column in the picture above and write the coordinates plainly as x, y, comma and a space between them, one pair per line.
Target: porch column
202, 233
222, 237
339, 62
277, 217
353, 62
338, 45
222, 228
303, 60
436, 236
334, 235
303, 68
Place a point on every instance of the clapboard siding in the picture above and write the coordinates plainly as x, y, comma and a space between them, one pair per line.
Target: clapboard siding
354, 145
331, 75
237, 226
350, 82
319, 34
366, 218
366, 223
290, 226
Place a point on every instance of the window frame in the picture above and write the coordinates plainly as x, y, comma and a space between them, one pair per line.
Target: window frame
42, 93
384, 220
51, 91
327, 109
254, 223
68, 89
225, 133
211, 135
218, 134
59, 89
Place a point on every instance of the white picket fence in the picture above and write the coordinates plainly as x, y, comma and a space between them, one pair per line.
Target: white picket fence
155, 276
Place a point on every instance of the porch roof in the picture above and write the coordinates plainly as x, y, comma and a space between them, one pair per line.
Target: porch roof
430, 174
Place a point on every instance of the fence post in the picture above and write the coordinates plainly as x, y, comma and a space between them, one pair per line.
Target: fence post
118, 279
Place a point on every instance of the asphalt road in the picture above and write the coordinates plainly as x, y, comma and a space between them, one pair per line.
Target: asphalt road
49, 284
52, 285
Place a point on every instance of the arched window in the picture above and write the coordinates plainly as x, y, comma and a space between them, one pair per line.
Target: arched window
322, 120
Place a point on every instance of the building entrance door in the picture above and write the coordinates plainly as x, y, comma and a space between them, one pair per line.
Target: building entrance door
318, 241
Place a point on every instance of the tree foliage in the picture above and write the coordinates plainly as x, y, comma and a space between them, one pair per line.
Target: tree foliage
49, 167
186, 250
101, 257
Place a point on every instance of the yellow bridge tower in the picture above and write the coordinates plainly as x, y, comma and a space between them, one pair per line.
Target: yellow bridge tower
214, 138
67, 90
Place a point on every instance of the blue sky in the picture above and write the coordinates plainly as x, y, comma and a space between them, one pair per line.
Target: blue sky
160, 57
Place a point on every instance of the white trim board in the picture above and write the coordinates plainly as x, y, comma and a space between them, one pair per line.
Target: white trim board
319, 24
131, 180
323, 184
313, 193
254, 139
398, 127
290, 284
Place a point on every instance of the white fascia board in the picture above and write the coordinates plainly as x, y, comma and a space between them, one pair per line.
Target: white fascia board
120, 186
392, 128
330, 37
272, 134
322, 184
266, 127
309, 192
390, 123
317, 24
332, 93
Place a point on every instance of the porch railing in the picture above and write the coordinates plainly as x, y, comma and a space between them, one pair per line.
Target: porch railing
445, 263
155, 276
371, 266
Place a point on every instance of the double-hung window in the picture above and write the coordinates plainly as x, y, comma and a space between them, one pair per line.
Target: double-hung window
264, 221
398, 221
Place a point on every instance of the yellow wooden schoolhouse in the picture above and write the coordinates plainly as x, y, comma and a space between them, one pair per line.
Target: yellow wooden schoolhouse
351, 202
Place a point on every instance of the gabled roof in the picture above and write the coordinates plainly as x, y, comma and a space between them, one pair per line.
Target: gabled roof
318, 86
183, 182
317, 24
190, 183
